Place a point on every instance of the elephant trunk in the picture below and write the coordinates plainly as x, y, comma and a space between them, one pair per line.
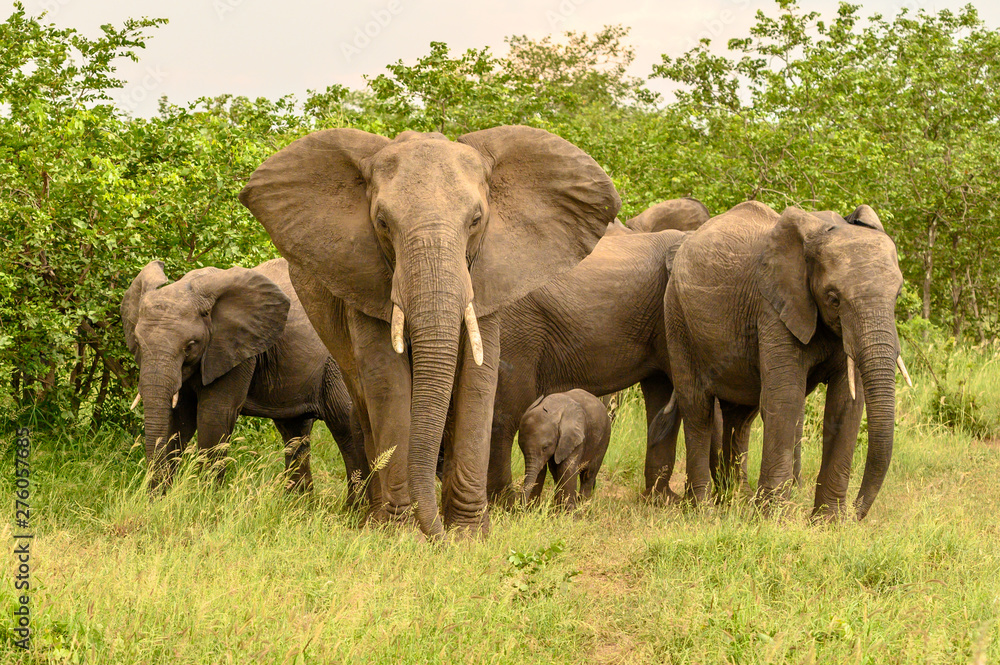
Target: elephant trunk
435, 290
158, 384
532, 467
876, 346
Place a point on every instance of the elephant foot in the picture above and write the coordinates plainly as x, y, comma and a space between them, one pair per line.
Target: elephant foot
391, 515
473, 531
300, 485
662, 495
505, 498
467, 524
829, 514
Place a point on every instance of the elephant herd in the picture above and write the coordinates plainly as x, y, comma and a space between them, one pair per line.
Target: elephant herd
436, 295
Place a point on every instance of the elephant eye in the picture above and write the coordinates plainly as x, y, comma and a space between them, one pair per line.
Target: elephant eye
189, 347
478, 217
380, 222
833, 299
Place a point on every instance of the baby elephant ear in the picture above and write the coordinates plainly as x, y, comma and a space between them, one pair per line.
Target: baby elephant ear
312, 198
149, 278
864, 216
248, 313
549, 204
571, 431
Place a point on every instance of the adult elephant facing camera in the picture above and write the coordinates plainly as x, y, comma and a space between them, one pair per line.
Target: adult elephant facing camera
409, 238
760, 309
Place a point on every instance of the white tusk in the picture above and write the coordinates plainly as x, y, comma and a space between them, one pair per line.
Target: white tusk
173, 404
397, 329
135, 402
472, 325
672, 403
902, 368
850, 378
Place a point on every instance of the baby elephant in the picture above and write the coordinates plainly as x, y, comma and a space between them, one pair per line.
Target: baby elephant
219, 343
569, 432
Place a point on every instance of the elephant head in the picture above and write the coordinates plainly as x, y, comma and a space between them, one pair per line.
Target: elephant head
684, 214
425, 233
200, 327
844, 273
553, 428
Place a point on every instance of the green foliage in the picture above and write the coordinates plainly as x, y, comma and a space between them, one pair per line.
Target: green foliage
526, 577
826, 113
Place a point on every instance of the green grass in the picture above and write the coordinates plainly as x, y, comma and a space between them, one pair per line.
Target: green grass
245, 573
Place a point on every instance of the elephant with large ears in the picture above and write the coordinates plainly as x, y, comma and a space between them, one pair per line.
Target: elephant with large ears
393, 247
219, 343
763, 307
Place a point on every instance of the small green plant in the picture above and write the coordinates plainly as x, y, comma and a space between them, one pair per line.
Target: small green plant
526, 577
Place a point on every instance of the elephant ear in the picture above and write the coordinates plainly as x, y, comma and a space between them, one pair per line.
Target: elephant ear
312, 198
247, 313
863, 215
785, 271
570, 431
549, 204
149, 278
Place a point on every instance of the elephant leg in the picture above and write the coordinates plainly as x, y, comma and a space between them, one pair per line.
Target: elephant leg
513, 397
716, 451
841, 421
730, 476
565, 475
467, 459
699, 424
661, 446
218, 406
588, 479
385, 381
782, 407
370, 485
329, 317
341, 418
295, 435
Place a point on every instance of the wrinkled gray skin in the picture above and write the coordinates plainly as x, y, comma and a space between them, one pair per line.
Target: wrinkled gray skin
568, 433
414, 231
599, 328
231, 342
684, 214
761, 308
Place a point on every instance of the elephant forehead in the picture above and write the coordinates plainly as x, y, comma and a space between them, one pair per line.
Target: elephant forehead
861, 247
428, 162
173, 301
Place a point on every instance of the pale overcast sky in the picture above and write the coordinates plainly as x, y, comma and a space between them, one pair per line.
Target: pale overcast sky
268, 48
